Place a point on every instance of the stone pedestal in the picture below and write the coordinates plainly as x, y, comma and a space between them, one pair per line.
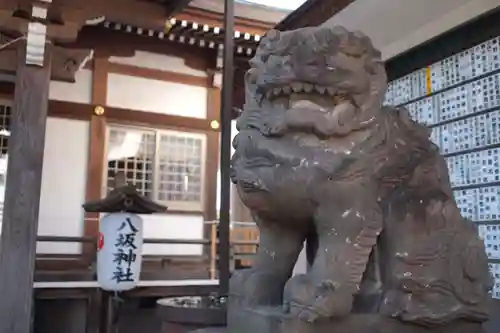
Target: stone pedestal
270, 320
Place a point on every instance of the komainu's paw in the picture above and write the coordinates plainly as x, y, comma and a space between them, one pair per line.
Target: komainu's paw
252, 287
310, 302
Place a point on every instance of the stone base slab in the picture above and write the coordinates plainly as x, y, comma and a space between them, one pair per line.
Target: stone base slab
269, 320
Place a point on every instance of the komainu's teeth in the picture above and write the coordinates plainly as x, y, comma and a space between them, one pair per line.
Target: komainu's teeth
330, 90
297, 87
308, 87
277, 91
320, 89
287, 90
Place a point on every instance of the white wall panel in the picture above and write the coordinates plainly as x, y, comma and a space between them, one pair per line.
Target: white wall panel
158, 61
79, 92
63, 183
173, 226
156, 96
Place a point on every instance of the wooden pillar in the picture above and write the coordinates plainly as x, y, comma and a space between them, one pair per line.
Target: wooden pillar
212, 167
97, 144
22, 194
225, 155
213, 147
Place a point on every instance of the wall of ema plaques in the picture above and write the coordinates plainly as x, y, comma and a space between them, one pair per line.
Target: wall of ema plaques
459, 98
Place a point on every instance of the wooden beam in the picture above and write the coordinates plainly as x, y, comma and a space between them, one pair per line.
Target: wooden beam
157, 74
22, 195
79, 111
312, 13
70, 110
156, 120
95, 162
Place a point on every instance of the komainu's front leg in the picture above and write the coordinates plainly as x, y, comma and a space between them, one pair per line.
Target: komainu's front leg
263, 284
348, 227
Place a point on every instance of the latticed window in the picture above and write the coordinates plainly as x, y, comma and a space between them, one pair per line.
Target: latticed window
166, 166
5, 116
132, 152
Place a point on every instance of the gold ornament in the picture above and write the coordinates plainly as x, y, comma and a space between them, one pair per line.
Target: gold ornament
98, 110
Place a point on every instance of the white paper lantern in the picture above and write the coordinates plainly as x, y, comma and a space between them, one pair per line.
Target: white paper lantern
119, 253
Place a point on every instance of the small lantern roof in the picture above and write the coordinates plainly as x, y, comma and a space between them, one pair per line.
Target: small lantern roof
124, 198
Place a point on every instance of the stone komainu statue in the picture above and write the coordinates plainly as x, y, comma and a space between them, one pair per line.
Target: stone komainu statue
319, 159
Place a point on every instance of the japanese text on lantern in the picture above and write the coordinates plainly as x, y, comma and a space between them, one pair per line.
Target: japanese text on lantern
125, 253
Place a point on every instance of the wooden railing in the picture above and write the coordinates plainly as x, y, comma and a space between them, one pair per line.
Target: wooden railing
243, 243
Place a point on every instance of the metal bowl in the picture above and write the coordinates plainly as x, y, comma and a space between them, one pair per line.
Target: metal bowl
194, 311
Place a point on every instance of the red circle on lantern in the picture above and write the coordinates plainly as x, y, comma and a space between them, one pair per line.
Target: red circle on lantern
100, 242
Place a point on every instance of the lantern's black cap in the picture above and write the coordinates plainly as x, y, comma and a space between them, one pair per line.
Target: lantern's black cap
124, 198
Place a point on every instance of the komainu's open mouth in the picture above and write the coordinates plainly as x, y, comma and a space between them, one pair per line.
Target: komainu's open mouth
324, 81
307, 95
298, 87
